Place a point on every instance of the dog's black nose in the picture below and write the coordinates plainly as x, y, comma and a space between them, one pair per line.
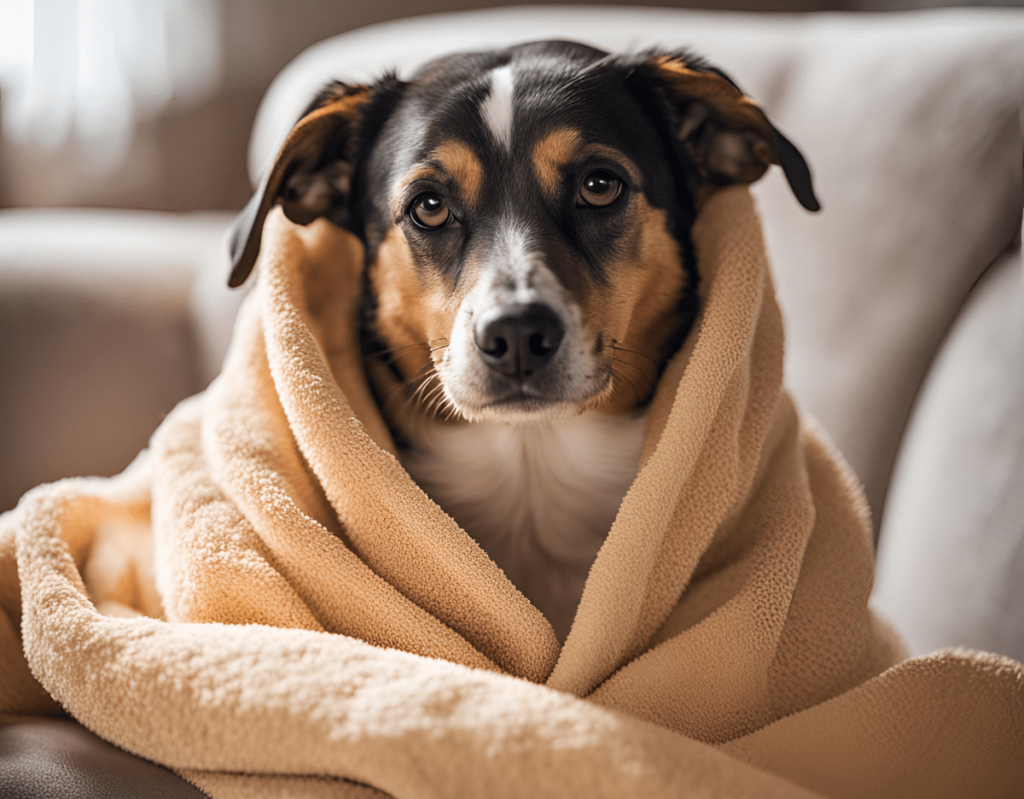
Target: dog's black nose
519, 341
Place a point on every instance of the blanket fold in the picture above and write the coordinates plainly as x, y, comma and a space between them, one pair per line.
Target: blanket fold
266, 601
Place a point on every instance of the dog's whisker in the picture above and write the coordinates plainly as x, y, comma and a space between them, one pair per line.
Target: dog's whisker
451, 409
448, 408
634, 352
406, 383
429, 377
424, 381
439, 406
417, 398
627, 363
632, 385
392, 350
650, 381
410, 399
421, 388
439, 409
427, 399
438, 399
423, 373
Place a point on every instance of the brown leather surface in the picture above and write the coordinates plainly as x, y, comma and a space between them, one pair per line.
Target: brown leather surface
60, 759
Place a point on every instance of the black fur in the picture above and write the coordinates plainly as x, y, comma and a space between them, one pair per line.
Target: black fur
619, 100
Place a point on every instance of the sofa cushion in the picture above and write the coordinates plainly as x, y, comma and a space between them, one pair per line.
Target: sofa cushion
58, 758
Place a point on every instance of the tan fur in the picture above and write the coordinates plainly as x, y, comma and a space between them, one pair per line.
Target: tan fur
736, 145
415, 314
306, 140
636, 310
562, 147
553, 152
411, 303
452, 160
726, 101
459, 161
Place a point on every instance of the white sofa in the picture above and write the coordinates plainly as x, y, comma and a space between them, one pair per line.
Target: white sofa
903, 298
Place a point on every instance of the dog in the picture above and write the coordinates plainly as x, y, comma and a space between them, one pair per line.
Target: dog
526, 216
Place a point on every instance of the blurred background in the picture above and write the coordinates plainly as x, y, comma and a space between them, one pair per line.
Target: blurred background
124, 131
148, 104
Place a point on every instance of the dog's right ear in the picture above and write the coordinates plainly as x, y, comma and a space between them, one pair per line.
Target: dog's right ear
311, 176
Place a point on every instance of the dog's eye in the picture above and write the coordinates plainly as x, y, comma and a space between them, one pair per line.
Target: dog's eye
599, 188
430, 211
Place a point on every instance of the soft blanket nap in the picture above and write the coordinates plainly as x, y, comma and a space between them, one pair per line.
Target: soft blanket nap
268, 604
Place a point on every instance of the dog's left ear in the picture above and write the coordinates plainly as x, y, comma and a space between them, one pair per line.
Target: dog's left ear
311, 176
729, 138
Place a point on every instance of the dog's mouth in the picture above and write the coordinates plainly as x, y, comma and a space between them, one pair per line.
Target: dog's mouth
520, 397
552, 393
514, 407
523, 400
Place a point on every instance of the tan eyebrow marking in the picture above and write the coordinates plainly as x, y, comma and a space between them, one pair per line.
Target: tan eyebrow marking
564, 145
453, 160
458, 160
553, 152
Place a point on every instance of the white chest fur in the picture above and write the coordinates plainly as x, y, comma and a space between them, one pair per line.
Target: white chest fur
538, 498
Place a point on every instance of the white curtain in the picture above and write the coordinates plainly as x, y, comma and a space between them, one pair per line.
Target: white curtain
89, 69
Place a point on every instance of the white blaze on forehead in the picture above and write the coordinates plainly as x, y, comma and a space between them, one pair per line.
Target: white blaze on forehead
517, 273
496, 108
514, 258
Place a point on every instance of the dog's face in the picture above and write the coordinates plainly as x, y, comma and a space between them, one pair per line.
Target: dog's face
527, 216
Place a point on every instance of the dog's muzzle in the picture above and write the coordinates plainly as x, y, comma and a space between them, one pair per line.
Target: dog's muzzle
517, 341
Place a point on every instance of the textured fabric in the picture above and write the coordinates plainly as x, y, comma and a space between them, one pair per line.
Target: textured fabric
726, 610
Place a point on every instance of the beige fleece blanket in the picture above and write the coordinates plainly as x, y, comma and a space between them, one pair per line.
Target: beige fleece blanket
268, 604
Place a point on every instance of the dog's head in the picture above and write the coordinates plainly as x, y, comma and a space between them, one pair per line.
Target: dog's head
526, 215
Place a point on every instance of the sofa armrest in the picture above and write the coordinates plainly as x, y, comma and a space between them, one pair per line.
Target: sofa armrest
97, 338
951, 556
